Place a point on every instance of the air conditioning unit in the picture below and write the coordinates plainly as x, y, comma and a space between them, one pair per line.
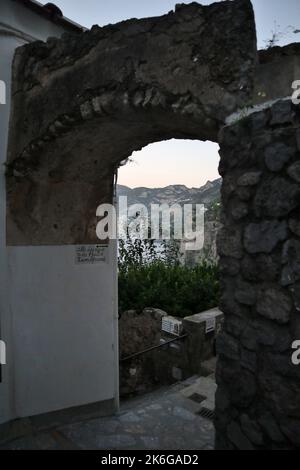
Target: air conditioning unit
172, 326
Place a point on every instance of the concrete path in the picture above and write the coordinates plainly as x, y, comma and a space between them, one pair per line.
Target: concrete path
166, 419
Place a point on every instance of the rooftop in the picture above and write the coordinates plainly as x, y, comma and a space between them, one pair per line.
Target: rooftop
52, 13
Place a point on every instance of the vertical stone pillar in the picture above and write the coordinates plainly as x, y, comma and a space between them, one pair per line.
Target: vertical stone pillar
258, 397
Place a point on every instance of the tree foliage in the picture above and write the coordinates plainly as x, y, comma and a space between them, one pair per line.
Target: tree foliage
151, 279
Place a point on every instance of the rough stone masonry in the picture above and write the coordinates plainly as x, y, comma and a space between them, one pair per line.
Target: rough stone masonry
258, 397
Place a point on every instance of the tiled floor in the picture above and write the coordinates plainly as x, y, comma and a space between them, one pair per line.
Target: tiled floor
166, 419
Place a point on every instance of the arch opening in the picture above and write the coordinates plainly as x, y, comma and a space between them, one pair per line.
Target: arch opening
159, 273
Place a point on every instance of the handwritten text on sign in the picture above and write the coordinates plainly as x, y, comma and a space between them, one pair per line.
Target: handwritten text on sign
91, 254
210, 325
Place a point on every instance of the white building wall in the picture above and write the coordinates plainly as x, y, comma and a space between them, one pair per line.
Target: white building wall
58, 319
63, 335
7, 47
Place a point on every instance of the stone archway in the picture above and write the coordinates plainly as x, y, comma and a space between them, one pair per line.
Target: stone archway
83, 104
86, 104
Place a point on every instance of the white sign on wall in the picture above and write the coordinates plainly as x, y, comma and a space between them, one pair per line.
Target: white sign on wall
91, 254
2, 92
2, 353
210, 325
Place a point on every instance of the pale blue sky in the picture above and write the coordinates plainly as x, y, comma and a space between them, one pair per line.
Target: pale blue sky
178, 162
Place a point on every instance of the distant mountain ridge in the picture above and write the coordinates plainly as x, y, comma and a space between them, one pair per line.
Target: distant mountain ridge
209, 195
174, 194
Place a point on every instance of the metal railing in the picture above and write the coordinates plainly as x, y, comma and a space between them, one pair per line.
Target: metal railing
158, 346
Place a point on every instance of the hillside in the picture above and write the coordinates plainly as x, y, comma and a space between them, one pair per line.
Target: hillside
174, 194
209, 195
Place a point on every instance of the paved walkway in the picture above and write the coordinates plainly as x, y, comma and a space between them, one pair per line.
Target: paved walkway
166, 419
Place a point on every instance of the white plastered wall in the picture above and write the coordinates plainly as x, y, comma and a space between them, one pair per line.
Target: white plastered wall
57, 318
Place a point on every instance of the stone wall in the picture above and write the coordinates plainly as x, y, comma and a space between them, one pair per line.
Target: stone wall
258, 397
275, 72
201, 343
138, 332
170, 363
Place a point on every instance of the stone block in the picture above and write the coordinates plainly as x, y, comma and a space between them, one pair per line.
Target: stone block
230, 243
252, 430
228, 346
294, 171
291, 262
275, 304
238, 438
265, 236
276, 197
249, 179
277, 156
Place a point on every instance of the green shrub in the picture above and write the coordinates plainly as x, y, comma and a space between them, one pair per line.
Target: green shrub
177, 289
